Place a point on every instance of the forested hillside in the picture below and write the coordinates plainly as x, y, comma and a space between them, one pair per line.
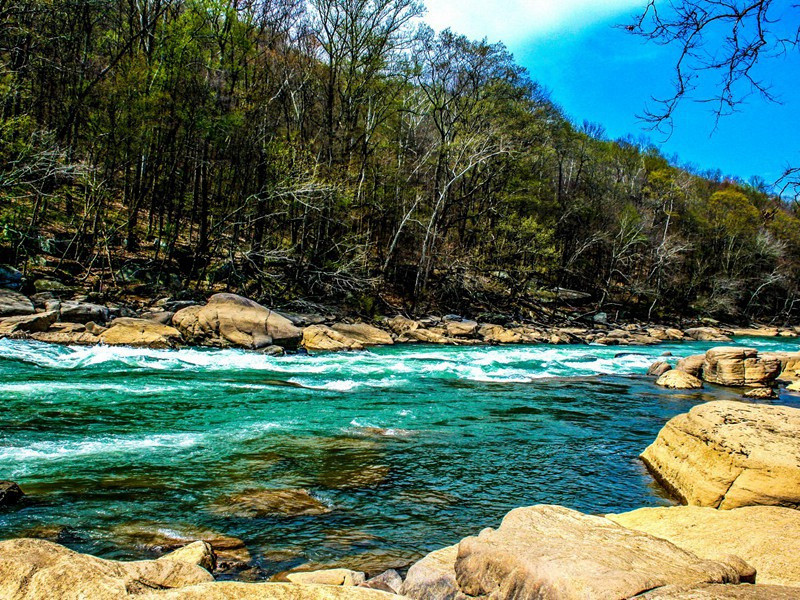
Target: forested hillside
338, 151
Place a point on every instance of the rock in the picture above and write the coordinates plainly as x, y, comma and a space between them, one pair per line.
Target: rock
83, 312
14, 304
790, 365
229, 319
388, 581
37, 569
754, 331
272, 351
659, 367
328, 577
51, 285
727, 454
497, 334
794, 387
462, 328
10, 277
254, 504
693, 365
737, 367
365, 334
722, 592
766, 537
706, 334
434, 577
94, 328
554, 552
401, 325
678, 380
159, 316
10, 493
36, 322
323, 338
229, 590
600, 317
127, 331
197, 553
761, 393
67, 333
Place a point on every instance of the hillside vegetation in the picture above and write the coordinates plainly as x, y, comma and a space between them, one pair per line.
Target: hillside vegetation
338, 151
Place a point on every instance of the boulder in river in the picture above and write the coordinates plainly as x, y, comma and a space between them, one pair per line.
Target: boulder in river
727, 454
10, 493
326, 339
497, 334
366, 335
198, 553
678, 380
13, 304
766, 537
739, 367
231, 320
706, 334
254, 504
658, 368
127, 331
693, 365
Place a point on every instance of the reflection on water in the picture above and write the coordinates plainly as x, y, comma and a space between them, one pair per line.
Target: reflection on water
127, 452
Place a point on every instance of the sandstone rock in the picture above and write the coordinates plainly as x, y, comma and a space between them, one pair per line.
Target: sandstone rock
67, 333
693, 365
254, 504
36, 322
14, 304
766, 537
365, 334
723, 592
126, 331
229, 319
228, 590
197, 553
388, 581
83, 312
434, 577
659, 367
755, 331
94, 328
738, 367
401, 325
678, 380
790, 365
344, 577
38, 569
727, 454
554, 552
322, 337
10, 493
760, 393
462, 328
497, 334
794, 387
706, 334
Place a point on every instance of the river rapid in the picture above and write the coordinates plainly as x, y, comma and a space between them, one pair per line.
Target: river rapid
411, 447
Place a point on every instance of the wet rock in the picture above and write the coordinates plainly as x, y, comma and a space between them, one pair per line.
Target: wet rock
727, 454
126, 331
678, 380
231, 320
344, 577
760, 393
197, 553
766, 537
555, 552
739, 367
272, 351
38, 569
659, 367
83, 312
323, 338
366, 335
14, 304
10, 493
254, 504
36, 322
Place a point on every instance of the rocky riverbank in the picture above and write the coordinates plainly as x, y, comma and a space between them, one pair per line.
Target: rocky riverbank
228, 320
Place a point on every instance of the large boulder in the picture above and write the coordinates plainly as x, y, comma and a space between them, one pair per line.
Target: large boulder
678, 380
727, 454
13, 303
231, 320
366, 335
659, 367
127, 331
83, 312
33, 323
322, 337
766, 537
692, 364
37, 569
554, 552
434, 577
739, 367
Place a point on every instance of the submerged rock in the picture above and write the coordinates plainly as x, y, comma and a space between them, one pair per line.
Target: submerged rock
678, 380
766, 537
10, 493
254, 504
727, 454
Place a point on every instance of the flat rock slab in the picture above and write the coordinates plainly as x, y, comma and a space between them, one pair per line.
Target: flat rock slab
554, 553
13, 303
766, 537
724, 592
727, 454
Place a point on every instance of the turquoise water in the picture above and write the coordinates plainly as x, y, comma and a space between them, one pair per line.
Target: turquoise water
412, 447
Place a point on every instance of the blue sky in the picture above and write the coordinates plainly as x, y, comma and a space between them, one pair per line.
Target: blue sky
602, 74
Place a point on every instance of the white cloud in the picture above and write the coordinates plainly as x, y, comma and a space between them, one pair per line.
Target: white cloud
516, 20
